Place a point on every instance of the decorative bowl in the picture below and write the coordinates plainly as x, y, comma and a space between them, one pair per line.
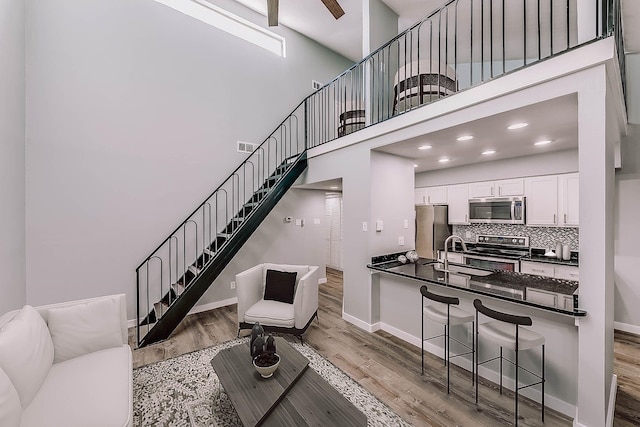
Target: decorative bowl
265, 364
402, 259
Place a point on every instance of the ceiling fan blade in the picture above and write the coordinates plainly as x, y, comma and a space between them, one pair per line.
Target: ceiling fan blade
334, 8
272, 12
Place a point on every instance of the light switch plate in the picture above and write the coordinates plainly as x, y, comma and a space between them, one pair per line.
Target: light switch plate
401, 241
364, 226
406, 223
316, 221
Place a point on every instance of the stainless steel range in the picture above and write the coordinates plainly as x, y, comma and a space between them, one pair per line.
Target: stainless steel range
498, 252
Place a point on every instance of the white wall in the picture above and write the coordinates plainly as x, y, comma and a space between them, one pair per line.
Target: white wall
392, 201
133, 113
382, 25
279, 242
627, 205
12, 161
542, 164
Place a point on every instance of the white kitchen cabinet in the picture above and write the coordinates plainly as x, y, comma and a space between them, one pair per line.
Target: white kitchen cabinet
478, 190
542, 200
431, 195
565, 272
537, 268
421, 196
509, 187
568, 200
502, 188
436, 195
458, 201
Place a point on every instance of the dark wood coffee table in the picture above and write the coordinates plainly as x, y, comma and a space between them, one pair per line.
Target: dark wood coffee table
293, 396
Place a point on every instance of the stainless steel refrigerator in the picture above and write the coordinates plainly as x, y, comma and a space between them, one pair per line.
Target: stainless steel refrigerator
432, 229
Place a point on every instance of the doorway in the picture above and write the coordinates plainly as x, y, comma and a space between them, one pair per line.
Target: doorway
333, 230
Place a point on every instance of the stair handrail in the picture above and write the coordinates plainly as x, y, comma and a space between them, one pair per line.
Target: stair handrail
292, 114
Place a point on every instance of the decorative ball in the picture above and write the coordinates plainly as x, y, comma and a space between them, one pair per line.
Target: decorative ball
412, 256
402, 259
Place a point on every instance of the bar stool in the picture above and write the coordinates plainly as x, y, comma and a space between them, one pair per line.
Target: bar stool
508, 331
443, 313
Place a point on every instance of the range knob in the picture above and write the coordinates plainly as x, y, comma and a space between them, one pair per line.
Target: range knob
514, 240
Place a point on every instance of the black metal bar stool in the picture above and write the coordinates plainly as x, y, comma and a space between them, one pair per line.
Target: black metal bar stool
443, 313
508, 331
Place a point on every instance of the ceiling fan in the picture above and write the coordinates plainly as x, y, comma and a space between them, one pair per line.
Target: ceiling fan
272, 10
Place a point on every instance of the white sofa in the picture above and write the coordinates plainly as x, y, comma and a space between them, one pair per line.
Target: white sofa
272, 315
66, 364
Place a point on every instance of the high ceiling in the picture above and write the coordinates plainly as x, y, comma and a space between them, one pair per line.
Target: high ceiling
311, 18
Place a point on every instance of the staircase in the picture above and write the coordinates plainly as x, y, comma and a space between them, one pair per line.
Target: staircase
181, 269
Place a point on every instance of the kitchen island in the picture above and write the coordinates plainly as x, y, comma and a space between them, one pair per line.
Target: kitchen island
544, 299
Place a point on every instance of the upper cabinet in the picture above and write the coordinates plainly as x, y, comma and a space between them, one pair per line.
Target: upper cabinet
431, 195
510, 187
458, 198
568, 200
506, 187
542, 200
552, 200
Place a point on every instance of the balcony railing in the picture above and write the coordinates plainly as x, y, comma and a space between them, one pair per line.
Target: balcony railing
461, 45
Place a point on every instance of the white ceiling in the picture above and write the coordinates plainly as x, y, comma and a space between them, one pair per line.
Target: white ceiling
491, 133
311, 18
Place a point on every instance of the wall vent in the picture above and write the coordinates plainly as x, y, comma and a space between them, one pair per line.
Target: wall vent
315, 85
246, 147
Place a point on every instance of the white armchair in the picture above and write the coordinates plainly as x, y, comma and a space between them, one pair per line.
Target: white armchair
274, 315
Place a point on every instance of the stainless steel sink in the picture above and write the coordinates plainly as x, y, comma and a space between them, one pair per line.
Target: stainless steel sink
460, 269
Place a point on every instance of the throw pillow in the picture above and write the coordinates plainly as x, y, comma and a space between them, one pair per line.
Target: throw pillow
26, 352
10, 409
280, 286
85, 328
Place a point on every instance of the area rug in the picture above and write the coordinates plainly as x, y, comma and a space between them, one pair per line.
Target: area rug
185, 391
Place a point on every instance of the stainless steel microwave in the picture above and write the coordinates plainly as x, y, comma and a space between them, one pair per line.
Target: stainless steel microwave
497, 210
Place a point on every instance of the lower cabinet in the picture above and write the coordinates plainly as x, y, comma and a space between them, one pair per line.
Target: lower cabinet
565, 272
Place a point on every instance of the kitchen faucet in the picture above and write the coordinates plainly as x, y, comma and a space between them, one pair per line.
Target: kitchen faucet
446, 249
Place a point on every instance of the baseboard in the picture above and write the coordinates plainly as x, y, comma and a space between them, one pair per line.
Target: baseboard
626, 327
360, 324
612, 400
531, 393
322, 281
198, 309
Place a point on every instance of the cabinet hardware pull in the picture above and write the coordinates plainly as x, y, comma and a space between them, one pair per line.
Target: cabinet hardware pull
466, 218
499, 191
429, 198
565, 218
554, 218
492, 191
538, 270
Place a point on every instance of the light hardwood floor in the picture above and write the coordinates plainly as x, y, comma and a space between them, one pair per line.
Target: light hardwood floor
389, 368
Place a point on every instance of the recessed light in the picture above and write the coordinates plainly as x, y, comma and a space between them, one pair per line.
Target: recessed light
424, 147
465, 138
334, 187
444, 160
486, 153
517, 126
545, 142
415, 166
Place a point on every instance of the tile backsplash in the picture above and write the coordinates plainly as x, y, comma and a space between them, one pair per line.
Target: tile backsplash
539, 237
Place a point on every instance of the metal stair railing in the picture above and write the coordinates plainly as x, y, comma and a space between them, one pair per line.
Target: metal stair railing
189, 250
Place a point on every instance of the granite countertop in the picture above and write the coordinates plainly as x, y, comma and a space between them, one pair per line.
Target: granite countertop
537, 255
506, 285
